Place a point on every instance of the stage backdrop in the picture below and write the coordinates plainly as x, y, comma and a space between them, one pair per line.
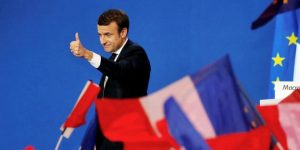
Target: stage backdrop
40, 79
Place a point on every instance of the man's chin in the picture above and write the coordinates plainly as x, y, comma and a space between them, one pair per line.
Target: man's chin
107, 50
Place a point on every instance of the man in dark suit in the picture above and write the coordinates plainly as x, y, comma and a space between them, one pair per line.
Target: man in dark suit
126, 73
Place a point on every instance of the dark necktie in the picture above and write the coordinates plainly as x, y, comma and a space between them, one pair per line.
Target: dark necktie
113, 56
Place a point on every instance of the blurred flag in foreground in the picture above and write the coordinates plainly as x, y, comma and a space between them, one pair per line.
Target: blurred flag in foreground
285, 59
258, 138
294, 97
78, 115
284, 121
209, 99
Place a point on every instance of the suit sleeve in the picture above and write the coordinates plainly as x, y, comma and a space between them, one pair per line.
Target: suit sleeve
133, 65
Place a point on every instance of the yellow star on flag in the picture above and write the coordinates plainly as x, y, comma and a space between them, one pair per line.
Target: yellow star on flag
292, 39
277, 80
278, 60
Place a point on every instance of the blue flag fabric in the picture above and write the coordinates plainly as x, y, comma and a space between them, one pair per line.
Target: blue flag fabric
284, 47
182, 130
220, 96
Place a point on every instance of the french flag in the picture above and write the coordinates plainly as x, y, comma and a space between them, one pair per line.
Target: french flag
77, 116
284, 121
183, 131
210, 100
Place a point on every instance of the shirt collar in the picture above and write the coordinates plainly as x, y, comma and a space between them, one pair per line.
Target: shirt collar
120, 49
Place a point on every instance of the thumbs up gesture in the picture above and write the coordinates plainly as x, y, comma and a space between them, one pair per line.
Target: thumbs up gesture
76, 47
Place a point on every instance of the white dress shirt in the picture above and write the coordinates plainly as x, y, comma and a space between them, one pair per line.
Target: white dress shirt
96, 59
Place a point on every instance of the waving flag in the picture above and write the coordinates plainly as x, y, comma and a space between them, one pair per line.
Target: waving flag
228, 110
183, 131
284, 120
210, 100
181, 128
285, 59
78, 114
125, 120
294, 97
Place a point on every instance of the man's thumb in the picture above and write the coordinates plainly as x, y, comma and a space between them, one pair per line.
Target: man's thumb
77, 36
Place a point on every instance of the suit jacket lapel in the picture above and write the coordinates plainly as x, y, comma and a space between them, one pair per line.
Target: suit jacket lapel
124, 50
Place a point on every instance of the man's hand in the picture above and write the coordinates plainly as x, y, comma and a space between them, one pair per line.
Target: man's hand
79, 50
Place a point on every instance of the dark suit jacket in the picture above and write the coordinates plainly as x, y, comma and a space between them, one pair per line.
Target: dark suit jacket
128, 76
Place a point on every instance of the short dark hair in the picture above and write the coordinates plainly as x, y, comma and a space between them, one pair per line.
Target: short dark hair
114, 15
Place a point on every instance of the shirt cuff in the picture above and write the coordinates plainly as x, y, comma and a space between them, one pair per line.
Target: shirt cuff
96, 60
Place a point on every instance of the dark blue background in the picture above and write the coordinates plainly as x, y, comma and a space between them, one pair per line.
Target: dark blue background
40, 79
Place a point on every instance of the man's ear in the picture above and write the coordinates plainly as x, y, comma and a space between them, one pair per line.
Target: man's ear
124, 32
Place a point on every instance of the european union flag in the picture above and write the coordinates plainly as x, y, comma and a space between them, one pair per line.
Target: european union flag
284, 49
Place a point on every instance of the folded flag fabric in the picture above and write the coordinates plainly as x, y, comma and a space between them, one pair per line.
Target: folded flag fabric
209, 99
78, 114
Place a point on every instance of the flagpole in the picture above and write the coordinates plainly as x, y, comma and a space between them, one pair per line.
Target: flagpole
58, 142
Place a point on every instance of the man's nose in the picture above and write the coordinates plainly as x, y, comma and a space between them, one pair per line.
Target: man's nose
102, 40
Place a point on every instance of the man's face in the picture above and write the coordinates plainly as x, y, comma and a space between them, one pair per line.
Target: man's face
110, 38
